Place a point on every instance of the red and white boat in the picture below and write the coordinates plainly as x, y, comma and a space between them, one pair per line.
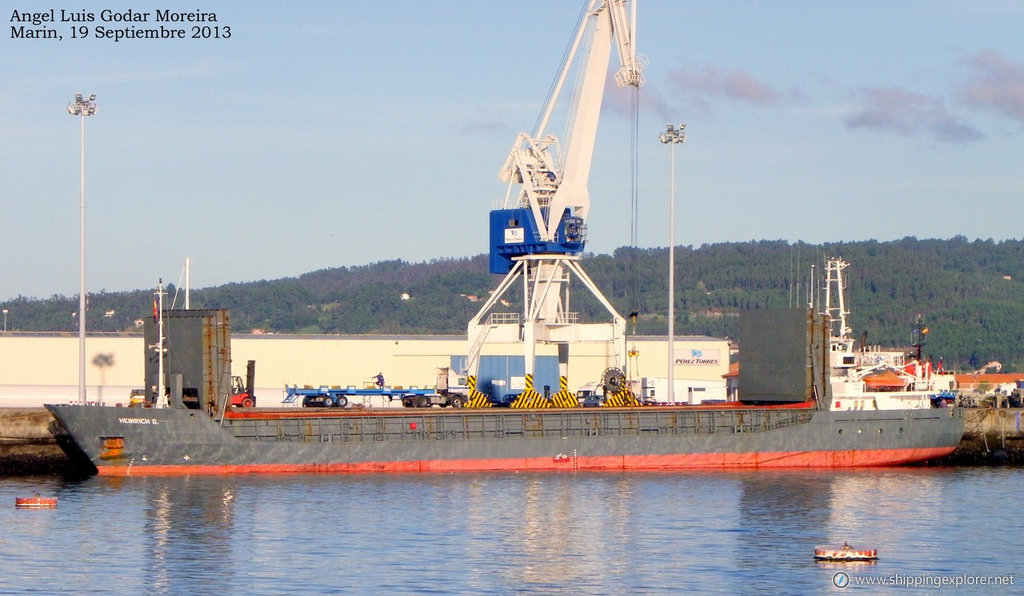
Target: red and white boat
35, 502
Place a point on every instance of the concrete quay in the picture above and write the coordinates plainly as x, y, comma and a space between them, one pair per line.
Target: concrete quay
991, 436
28, 445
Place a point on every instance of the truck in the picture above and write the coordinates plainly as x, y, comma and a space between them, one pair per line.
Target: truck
451, 387
590, 395
450, 391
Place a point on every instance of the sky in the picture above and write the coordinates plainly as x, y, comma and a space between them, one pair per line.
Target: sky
343, 133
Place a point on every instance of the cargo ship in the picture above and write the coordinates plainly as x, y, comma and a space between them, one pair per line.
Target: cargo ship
783, 420
169, 441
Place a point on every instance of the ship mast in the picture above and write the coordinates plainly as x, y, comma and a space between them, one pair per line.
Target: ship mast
835, 291
158, 307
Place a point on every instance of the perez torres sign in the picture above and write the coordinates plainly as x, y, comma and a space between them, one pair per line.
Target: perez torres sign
699, 358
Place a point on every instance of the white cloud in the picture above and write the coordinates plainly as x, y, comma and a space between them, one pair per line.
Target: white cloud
996, 85
737, 85
894, 109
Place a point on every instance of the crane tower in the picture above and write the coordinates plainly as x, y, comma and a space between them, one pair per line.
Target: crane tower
538, 234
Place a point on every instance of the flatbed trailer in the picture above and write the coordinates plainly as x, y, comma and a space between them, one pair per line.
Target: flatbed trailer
325, 396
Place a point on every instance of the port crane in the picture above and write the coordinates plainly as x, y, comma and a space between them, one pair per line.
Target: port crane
538, 234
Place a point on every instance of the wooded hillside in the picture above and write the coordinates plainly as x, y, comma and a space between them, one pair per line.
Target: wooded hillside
969, 293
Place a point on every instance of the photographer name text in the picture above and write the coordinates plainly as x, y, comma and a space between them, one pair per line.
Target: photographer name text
116, 25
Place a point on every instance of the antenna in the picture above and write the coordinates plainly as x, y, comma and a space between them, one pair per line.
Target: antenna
186, 275
188, 282
811, 291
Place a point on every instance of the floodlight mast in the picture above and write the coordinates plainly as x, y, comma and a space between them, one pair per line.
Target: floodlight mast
81, 107
672, 136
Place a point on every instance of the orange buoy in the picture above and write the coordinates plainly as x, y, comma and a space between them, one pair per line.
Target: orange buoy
845, 553
35, 502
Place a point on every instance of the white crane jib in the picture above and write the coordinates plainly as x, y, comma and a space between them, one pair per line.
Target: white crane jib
549, 185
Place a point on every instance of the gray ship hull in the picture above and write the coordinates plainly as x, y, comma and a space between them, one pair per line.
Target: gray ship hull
140, 441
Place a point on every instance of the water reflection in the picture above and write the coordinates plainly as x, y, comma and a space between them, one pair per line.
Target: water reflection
188, 532
592, 531
913, 492
776, 505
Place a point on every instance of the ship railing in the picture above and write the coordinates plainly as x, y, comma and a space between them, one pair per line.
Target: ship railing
528, 424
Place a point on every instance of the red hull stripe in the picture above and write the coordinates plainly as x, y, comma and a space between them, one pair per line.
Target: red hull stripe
693, 461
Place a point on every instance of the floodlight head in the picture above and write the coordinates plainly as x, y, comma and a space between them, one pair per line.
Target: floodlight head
81, 106
673, 134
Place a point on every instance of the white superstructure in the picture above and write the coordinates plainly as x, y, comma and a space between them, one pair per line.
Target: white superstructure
865, 378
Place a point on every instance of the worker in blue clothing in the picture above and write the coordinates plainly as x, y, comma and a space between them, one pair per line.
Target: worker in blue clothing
380, 380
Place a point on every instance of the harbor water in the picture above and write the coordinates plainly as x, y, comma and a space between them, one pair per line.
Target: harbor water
615, 533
